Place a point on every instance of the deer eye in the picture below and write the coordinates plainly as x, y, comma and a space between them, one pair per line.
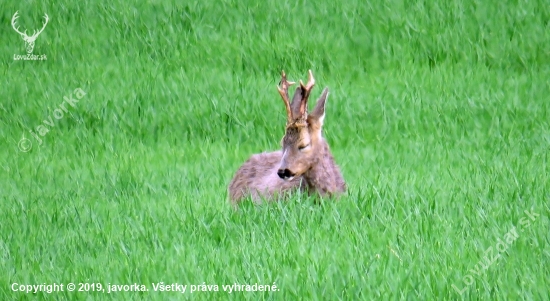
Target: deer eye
302, 147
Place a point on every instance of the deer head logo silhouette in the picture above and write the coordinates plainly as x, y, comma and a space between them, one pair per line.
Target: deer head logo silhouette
29, 40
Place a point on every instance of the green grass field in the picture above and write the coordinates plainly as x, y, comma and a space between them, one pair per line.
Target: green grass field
438, 117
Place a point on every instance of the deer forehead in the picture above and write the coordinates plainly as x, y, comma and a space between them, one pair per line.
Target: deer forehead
295, 135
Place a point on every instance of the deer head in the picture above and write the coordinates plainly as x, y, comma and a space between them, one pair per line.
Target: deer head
302, 138
29, 40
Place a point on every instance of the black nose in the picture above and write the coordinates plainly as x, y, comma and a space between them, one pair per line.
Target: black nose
285, 173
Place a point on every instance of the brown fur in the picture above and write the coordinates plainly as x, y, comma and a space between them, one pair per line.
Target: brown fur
305, 155
258, 178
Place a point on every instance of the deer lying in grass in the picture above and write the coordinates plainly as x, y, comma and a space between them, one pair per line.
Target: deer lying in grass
304, 163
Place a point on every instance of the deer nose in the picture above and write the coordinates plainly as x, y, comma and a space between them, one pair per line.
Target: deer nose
285, 173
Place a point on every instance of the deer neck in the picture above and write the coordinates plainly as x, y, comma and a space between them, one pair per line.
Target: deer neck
324, 176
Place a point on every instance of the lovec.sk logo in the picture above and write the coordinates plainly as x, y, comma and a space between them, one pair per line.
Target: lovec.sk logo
29, 41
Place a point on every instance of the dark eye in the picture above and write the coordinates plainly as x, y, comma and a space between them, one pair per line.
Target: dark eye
301, 147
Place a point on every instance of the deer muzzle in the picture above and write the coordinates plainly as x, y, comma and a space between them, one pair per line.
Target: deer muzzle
285, 174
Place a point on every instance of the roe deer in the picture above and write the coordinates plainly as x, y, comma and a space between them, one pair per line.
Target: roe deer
304, 163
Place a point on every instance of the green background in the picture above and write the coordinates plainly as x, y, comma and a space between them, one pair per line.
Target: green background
438, 118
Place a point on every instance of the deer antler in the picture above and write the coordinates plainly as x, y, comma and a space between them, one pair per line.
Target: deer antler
306, 90
41, 30
13, 20
283, 90
34, 34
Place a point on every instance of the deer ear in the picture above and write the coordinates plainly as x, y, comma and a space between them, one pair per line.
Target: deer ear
318, 113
